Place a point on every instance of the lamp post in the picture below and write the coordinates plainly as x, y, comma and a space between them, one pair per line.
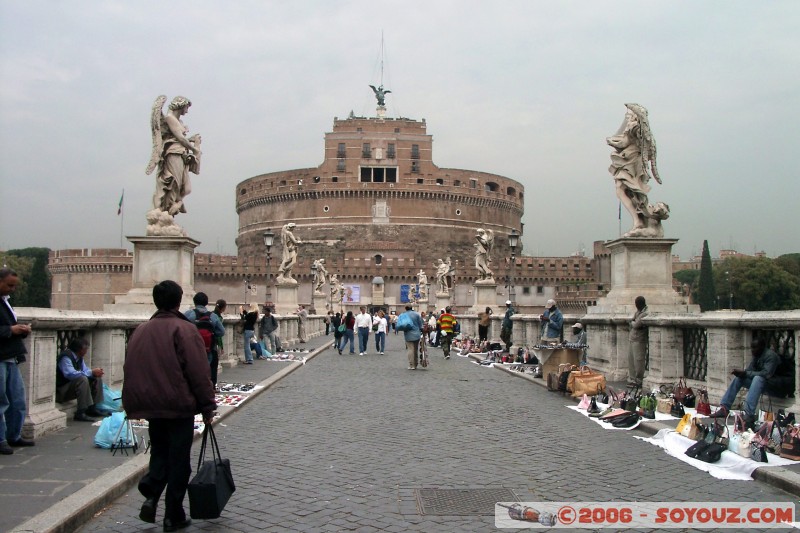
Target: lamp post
513, 241
730, 290
269, 239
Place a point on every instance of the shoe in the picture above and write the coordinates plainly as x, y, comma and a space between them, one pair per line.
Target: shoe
412, 368
148, 511
722, 412
170, 525
381, 353
21, 442
97, 413
340, 352
261, 357
447, 357
81, 417
360, 353
248, 362
749, 422
5, 449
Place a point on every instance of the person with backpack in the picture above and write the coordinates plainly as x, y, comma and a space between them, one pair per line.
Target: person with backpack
209, 325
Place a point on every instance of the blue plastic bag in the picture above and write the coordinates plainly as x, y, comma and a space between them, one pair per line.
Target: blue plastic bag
112, 400
114, 430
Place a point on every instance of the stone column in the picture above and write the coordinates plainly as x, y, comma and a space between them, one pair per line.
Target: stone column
286, 298
485, 295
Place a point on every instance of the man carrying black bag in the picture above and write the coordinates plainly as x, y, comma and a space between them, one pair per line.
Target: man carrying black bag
167, 382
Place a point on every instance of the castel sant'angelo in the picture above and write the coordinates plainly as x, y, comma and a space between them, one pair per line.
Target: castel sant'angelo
378, 211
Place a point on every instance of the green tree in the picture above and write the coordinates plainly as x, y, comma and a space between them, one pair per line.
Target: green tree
22, 266
706, 293
35, 278
756, 284
689, 278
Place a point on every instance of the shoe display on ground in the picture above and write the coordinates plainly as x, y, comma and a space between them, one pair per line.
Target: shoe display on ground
21, 442
5, 449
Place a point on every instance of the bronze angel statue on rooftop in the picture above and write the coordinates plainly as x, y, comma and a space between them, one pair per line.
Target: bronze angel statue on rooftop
380, 94
174, 155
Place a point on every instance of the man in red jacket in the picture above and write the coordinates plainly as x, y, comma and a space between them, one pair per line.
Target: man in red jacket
167, 382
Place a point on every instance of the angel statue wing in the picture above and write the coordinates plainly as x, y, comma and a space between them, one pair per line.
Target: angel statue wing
489, 245
155, 126
648, 147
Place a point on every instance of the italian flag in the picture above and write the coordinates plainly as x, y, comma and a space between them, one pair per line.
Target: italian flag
119, 208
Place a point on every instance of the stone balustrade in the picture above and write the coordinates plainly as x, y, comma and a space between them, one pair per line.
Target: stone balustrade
703, 347
108, 334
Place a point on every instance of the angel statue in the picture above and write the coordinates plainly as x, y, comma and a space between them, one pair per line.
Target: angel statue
290, 243
633, 164
483, 250
320, 274
175, 155
443, 268
333, 287
380, 94
422, 281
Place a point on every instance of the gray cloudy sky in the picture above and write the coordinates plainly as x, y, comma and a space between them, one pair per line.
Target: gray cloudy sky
526, 89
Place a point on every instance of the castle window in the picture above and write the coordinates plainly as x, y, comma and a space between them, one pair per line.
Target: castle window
458, 212
457, 183
511, 191
420, 181
341, 153
366, 151
378, 259
414, 151
316, 179
243, 192
282, 183
335, 179
325, 208
378, 175
491, 186
390, 152
539, 290
415, 167
340, 166
526, 290
473, 184
397, 130
439, 181
359, 130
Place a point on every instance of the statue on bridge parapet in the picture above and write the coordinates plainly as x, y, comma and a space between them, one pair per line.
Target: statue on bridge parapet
174, 155
483, 251
290, 244
633, 164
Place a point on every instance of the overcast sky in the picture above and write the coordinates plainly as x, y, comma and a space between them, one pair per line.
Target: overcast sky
525, 89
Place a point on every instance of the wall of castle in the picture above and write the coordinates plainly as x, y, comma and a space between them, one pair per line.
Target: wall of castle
86, 278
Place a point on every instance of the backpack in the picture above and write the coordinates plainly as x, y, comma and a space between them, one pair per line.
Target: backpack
404, 322
205, 327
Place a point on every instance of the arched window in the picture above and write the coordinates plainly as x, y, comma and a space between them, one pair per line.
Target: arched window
378, 259
491, 186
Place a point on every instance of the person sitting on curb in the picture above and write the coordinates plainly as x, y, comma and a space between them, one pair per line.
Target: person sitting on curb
76, 380
758, 377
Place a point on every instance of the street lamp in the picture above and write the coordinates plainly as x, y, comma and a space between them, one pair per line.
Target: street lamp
513, 241
269, 239
730, 290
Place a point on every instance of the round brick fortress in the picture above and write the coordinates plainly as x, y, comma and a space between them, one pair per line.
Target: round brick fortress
378, 193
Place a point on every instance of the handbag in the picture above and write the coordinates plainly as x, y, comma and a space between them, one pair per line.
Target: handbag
681, 391
664, 405
766, 415
585, 381
697, 431
703, 405
677, 409
584, 403
734, 442
790, 445
684, 425
564, 372
712, 453
342, 328
647, 406
212, 486
745, 440
694, 450
758, 453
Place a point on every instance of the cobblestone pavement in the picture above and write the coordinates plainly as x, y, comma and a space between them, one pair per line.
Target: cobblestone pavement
344, 443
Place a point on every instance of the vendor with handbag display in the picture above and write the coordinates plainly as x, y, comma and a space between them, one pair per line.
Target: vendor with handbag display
757, 377
76, 380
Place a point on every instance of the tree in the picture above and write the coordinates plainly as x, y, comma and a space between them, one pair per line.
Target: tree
36, 286
757, 284
706, 293
689, 279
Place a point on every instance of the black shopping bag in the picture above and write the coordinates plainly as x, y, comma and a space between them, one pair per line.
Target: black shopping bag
212, 486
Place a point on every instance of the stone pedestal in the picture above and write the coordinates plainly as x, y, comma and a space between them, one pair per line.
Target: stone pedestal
286, 298
442, 300
641, 267
320, 303
156, 259
484, 295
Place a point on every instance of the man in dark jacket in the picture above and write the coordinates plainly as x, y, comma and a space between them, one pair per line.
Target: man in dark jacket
757, 377
12, 353
167, 382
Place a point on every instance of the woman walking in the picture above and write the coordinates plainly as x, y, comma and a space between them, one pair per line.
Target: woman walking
380, 332
349, 324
